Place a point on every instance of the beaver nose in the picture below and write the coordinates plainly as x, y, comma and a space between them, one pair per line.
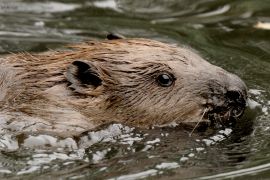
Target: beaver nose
236, 96
236, 91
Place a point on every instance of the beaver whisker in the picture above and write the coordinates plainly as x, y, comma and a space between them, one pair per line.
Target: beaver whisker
205, 110
227, 115
237, 112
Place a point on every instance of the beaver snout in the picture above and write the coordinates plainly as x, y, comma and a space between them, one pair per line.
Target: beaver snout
229, 105
236, 96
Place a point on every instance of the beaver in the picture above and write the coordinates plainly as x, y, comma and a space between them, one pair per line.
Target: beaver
137, 82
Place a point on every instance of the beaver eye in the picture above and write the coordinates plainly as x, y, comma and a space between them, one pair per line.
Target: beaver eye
165, 80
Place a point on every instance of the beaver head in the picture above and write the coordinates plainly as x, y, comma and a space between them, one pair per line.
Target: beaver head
144, 82
138, 82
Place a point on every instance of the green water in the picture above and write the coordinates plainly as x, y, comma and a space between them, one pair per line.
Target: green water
223, 32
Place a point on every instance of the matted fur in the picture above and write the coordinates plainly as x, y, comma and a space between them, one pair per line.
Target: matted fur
38, 92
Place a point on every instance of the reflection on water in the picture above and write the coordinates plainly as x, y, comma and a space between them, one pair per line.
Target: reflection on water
230, 34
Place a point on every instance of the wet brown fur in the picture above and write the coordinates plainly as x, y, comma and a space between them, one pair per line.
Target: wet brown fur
39, 92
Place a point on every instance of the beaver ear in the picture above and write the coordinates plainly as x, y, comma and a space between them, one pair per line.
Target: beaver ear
83, 75
112, 36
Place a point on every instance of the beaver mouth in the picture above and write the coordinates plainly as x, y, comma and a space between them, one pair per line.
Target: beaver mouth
225, 112
224, 116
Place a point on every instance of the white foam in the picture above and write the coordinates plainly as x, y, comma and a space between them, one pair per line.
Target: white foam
38, 7
226, 131
157, 140
8, 143
265, 110
46, 140
191, 155
77, 177
208, 142
110, 4
40, 140
255, 91
68, 163
199, 149
41, 159
29, 170
130, 140
184, 159
68, 143
167, 165
99, 155
103, 169
147, 147
5, 171
164, 134
39, 23
140, 175
218, 137
109, 134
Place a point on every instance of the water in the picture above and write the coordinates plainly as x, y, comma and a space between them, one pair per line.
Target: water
230, 34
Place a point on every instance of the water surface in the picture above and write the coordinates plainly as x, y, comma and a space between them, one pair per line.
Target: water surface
231, 34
